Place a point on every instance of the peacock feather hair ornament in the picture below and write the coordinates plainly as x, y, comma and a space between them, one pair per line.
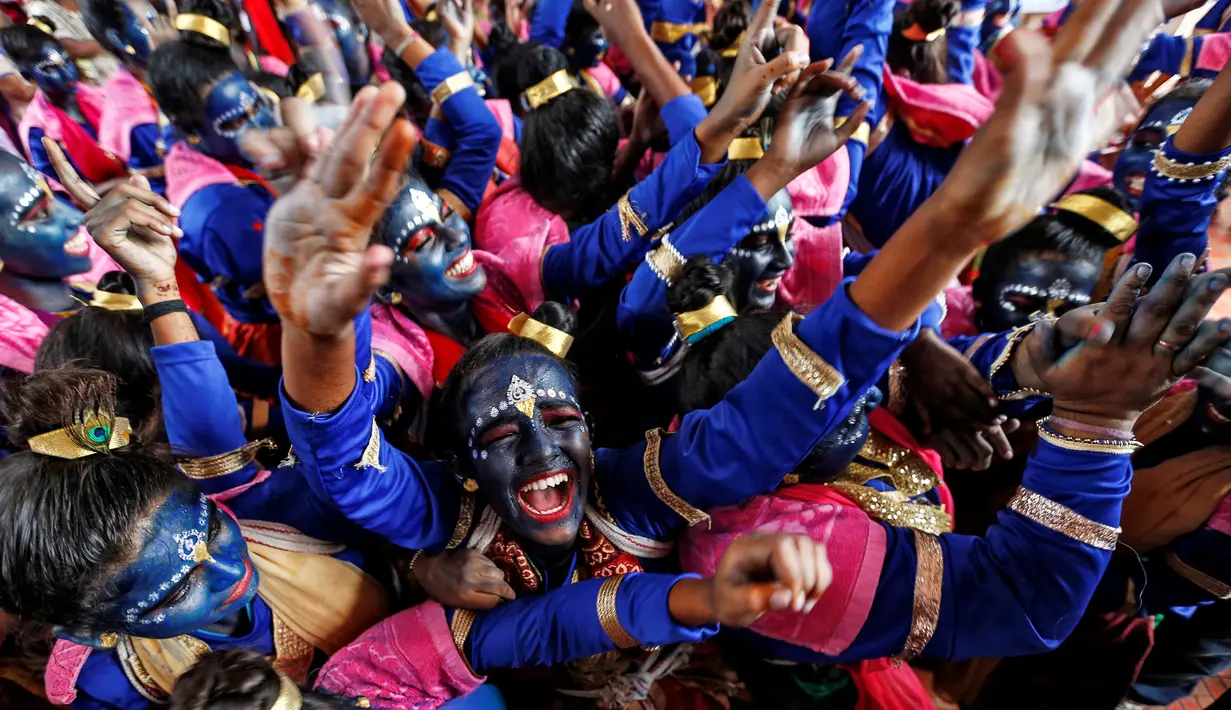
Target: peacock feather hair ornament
92, 429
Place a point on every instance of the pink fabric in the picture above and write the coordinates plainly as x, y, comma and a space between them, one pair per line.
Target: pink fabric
189, 171
1089, 174
884, 684
40, 114
987, 78
21, 332
406, 662
273, 65
606, 78
395, 333
937, 114
818, 250
100, 263
127, 105
378, 67
1215, 51
228, 494
1221, 519
960, 315
503, 111
856, 556
65, 664
512, 227
618, 61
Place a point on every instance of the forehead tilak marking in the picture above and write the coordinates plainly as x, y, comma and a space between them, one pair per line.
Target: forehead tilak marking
522, 396
190, 544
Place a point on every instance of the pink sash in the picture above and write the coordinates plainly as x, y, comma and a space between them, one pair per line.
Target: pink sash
503, 111
127, 105
395, 333
605, 78
959, 313
408, 661
1089, 174
818, 250
95, 163
938, 115
1215, 51
512, 227
987, 78
189, 171
21, 332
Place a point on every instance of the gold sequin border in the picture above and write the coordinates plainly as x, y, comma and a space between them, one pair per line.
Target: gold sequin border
1064, 520
463, 620
1214, 586
1175, 170
224, 464
609, 616
808, 367
881, 505
929, 585
465, 516
654, 474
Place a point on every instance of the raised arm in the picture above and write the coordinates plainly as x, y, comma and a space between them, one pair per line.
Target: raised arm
962, 38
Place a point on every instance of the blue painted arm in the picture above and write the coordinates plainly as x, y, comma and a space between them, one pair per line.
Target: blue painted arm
606, 247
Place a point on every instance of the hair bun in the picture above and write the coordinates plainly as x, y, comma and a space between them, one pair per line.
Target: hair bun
699, 282
557, 315
48, 399
117, 282
240, 679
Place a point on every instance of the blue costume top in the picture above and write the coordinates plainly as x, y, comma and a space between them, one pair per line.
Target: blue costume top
1216, 19
149, 145
674, 26
38, 154
548, 22
1175, 213
1180, 56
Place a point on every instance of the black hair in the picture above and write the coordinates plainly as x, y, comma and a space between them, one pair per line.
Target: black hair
922, 61
221, 11
446, 428
280, 85
179, 71
103, 15
71, 524
240, 679
731, 21
724, 358
115, 342
24, 44
568, 146
726, 175
1091, 230
1045, 233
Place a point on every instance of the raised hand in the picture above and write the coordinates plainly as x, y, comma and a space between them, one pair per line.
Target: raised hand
620, 19
132, 224
458, 21
319, 270
463, 579
944, 388
379, 16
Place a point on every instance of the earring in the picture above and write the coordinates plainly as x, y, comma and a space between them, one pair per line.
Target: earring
108, 640
470, 485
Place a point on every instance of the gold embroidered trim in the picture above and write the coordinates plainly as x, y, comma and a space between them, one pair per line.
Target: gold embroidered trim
1119, 447
665, 261
292, 653
808, 367
454, 84
905, 470
463, 619
672, 32
885, 506
226, 463
396, 367
1175, 170
929, 584
630, 218
1010, 344
465, 516
138, 677
1064, 520
654, 474
369, 374
371, 454
897, 387
290, 459
609, 616
1214, 586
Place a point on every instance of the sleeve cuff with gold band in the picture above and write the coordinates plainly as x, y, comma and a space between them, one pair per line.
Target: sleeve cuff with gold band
861, 134
706, 88
225, 463
999, 374
808, 367
1189, 170
553, 86
654, 475
1064, 520
1108, 217
555, 340
1091, 445
206, 26
454, 84
696, 325
665, 261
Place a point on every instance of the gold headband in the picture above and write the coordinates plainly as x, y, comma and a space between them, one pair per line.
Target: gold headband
915, 33
203, 25
289, 695
733, 51
1115, 221
555, 85
557, 341
695, 325
115, 301
35, 22
745, 149
90, 433
706, 89
313, 89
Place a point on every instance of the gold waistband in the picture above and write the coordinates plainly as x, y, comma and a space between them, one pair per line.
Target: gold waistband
672, 32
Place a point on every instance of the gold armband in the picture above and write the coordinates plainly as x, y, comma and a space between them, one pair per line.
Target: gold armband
654, 474
1184, 172
808, 367
1064, 520
226, 463
665, 261
451, 86
608, 614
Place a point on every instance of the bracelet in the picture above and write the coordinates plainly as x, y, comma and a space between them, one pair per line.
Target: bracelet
411, 37
410, 566
665, 261
451, 86
1106, 432
1098, 446
1184, 172
155, 311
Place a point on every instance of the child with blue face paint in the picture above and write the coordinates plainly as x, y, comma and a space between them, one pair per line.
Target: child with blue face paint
63, 109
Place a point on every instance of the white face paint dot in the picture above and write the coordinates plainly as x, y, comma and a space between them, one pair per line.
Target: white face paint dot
484, 455
551, 393
541, 393
504, 406
494, 412
474, 454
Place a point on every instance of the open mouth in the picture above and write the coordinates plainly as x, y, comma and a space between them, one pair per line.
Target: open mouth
78, 245
1135, 183
241, 587
770, 285
464, 266
548, 497
1215, 415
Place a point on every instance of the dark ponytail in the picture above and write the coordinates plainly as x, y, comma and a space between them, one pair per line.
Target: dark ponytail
178, 72
921, 60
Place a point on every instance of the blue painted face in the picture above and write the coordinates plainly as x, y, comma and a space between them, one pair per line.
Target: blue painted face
54, 72
528, 447
131, 41
586, 50
761, 258
352, 37
1046, 282
836, 451
233, 106
434, 267
193, 569
40, 236
1163, 120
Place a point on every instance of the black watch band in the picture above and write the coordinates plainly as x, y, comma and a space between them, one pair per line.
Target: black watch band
162, 308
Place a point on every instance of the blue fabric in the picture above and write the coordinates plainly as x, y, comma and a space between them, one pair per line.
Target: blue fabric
1003, 382
896, 178
246, 375
962, 41
1214, 19
598, 251
1018, 590
548, 22
144, 141
1175, 216
223, 238
563, 624
1165, 53
677, 12
484, 697
681, 116
39, 158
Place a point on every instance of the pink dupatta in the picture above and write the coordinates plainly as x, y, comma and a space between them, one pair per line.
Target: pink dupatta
818, 250
126, 105
511, 226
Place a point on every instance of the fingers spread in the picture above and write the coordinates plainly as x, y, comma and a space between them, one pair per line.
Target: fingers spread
368, 200
1118, 309
1203, 293
782, 65
1211, 336
1157, 308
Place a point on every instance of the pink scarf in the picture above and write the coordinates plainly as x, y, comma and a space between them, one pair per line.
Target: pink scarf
512, 227
1215, 51
189, 171
818, 250
398, 335
95, 162
938, 115
21, 332
126, 105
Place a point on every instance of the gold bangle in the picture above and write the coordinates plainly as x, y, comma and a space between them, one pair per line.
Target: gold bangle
224, 464
665, 261
1184, 172
609, 616
1064, 520
1122, 447
451, 86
